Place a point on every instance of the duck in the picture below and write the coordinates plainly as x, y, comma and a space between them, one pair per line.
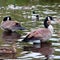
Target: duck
41, 34
8, 24
35, 16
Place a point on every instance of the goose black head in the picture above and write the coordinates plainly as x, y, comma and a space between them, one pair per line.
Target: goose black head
47, 19
7, 18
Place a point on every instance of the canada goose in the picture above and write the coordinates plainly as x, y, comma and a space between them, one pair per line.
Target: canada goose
42, 34
35, 16
8, 24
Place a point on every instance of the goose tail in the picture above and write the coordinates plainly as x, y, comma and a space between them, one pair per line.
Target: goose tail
26, 39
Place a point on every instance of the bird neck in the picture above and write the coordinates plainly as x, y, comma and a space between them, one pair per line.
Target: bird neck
46, 24
50, 27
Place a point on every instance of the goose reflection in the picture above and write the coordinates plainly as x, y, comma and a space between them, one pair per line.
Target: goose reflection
7, 52
9, 36
47, 50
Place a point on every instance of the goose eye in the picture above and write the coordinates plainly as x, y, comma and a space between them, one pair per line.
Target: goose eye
17, 23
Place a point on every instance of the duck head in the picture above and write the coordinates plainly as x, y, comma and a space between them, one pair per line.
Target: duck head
48, 21
18, 26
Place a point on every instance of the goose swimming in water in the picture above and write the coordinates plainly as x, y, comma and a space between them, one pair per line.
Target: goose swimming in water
42, 34
35, 16
8, 25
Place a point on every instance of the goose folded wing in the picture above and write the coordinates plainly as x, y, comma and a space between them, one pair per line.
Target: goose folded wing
41, 33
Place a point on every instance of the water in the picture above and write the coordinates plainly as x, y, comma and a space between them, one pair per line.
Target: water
30, 51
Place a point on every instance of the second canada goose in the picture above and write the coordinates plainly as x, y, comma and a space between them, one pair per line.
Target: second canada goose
42, 34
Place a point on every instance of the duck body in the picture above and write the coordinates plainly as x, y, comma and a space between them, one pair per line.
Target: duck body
42, 34
10, 25
7, 24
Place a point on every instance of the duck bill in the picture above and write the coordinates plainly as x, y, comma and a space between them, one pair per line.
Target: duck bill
53, 22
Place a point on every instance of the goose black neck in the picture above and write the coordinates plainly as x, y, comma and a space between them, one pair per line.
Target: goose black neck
45, 23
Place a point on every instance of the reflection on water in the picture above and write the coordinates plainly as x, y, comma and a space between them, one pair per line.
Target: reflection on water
10, 36
46, 49
7, 52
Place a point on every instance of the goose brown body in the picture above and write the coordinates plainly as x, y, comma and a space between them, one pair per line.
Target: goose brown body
8, 24
42, 34
12, 25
